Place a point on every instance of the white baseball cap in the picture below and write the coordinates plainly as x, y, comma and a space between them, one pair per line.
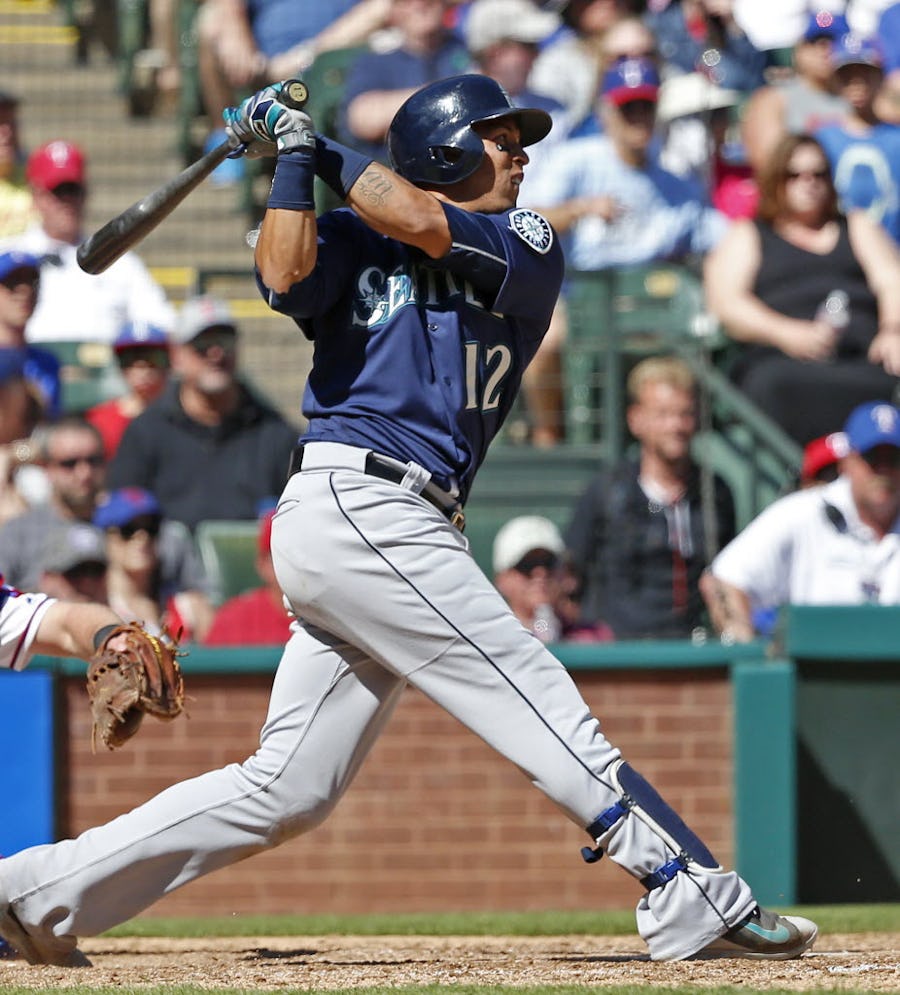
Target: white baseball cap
199, 313
490, 21
692, 93
522, 535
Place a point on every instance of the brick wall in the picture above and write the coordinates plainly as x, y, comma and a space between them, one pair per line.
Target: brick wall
435, 820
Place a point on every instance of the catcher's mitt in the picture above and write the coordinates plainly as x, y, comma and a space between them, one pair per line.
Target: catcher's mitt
124, 684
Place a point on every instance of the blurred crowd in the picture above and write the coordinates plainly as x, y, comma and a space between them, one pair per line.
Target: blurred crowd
755, 144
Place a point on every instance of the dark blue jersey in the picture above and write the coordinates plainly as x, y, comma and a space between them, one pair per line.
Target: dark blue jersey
417, 358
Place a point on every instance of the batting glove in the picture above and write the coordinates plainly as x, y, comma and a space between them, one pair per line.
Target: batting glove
265, 126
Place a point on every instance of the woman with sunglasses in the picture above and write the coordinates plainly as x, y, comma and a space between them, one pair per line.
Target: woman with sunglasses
811, 297
132, 519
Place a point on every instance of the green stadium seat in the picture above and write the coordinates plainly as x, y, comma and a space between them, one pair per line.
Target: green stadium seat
228, 552
525, 480
615, 318
88, 372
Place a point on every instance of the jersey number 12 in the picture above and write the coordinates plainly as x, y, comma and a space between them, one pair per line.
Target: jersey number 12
497, 363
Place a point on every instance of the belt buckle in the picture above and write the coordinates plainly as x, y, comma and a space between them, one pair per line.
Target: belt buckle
458, 520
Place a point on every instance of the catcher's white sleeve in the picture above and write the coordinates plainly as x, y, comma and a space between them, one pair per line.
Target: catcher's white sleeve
20, 619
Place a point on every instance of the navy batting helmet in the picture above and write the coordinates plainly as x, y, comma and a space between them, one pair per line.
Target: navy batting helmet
431, 141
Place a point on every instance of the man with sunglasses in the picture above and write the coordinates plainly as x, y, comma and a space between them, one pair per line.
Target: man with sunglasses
836, 544
74, 305
70, 451
208, 447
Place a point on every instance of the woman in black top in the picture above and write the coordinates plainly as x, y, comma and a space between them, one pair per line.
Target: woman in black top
811, 295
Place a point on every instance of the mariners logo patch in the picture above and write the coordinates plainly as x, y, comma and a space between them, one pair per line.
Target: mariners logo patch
532, 228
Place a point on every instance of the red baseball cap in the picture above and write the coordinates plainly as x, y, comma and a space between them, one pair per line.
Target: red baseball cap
822, 452
630, 79
55, 163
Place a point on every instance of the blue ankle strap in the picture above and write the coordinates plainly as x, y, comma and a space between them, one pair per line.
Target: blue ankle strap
665, 873
604, 821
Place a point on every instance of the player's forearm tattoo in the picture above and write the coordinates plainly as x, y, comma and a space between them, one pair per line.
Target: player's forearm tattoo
374, 186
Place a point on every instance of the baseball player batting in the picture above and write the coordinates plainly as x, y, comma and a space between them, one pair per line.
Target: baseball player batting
426, 296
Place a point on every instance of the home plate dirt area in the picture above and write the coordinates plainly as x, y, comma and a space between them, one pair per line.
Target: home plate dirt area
858, 962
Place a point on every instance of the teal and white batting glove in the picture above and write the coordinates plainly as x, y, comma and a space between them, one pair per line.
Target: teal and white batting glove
264, 126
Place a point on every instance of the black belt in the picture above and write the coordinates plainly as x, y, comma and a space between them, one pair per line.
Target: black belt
381, 467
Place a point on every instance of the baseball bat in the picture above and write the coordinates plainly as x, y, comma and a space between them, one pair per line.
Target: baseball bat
100, 250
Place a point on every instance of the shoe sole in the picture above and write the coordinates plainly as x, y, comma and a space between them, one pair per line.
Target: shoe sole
11, 930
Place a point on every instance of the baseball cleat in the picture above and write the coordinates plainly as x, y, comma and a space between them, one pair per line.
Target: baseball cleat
59, 953
764, 935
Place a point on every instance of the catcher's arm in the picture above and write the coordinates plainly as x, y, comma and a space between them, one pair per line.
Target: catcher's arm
68, 628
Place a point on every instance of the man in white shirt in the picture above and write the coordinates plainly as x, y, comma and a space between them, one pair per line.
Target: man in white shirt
838, 544
72, 304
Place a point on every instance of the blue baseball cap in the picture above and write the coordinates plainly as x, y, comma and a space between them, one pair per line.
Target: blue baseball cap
630, 79
124, 505
851, 49
140, 333
11, 261
12, 364
875, 423
825, 24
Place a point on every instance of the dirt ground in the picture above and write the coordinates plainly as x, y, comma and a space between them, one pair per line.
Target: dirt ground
869, 962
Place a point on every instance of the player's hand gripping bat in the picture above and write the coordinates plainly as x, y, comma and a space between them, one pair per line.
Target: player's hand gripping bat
100, 250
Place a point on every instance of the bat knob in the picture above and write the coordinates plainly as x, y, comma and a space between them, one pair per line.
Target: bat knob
294, 94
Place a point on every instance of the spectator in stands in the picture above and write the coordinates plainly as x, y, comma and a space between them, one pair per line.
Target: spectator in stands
836, 544
531, 572
811, 295
864, 152
136, 588
75, 305
379, 82
208, 447
73, 563
625, 38
612, 205
142, 354
71, 453
503, 37
244, 44
821, 459
805, 100
644, 531
606, 194
258, 617
21, 483
773, 26
887, 103
156, 70
570, 66
703, 36
16, 204
19, 284
697, 143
